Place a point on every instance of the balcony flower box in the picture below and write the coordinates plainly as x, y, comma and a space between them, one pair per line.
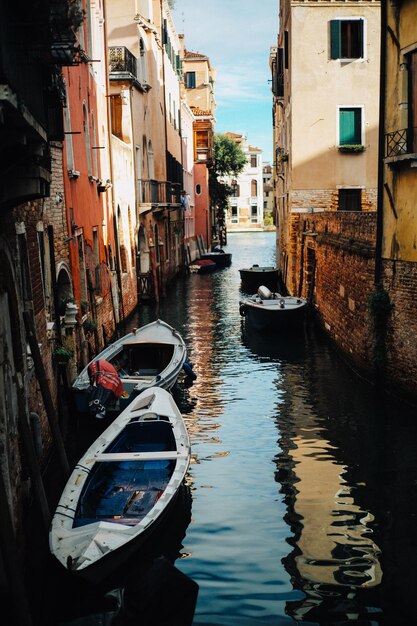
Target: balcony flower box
352, 148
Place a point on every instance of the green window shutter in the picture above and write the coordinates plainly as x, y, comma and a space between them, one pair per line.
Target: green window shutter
350, 130
335, 39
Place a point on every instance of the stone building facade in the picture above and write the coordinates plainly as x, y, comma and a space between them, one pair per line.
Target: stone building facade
326, 115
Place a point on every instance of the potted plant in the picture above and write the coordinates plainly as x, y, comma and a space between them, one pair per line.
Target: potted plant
351, 147
283, 157
62, 355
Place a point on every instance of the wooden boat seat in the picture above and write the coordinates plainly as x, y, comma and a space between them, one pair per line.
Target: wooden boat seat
140, 456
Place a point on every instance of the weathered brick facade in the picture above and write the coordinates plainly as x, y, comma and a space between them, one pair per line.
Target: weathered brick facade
400, 280
334, 268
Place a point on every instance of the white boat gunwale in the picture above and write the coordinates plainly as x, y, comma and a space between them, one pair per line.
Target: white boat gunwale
64, 537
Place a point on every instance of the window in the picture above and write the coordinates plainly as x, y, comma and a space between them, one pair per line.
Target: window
235, 189
190, 80
350, 200
254, 213
253, 188
350, 126
412, 100
235, 217
346, 39
253, 161
198, 189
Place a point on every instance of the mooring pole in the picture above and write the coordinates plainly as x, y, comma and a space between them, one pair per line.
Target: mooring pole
45, 391
11, 561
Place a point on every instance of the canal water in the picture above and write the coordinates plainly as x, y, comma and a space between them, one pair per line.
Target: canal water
303, 484
301, 498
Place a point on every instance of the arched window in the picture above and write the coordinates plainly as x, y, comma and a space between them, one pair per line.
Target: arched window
87, 143
253, 187
142, 69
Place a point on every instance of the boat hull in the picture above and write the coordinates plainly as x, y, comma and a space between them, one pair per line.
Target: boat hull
280, 315
255, 276
221, 259
122, 487
158, 354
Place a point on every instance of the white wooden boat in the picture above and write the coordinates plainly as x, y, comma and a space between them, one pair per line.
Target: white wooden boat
266, 310
121, 487
153, 355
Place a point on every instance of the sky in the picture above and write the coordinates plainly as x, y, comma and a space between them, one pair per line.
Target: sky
236, 35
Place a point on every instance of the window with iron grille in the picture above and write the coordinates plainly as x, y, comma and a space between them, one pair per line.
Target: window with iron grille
346, 39
350, 200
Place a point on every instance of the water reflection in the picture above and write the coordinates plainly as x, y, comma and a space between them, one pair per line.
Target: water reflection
304, 484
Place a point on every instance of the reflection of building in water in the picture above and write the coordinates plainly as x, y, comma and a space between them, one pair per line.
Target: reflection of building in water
335, 557
203, 346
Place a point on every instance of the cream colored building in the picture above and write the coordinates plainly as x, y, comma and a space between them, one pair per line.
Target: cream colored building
326, 84
246, 203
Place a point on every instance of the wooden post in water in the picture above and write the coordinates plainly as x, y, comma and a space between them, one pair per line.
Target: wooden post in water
34, 470
13, 568
45, 391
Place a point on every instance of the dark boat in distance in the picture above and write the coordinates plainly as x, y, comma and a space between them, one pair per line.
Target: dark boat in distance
218, 256
257, 275
271, 311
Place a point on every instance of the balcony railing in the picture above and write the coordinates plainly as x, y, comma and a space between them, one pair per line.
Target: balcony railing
122, 61
158, 192
401, 142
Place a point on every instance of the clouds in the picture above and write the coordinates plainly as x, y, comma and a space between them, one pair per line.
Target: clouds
236, 35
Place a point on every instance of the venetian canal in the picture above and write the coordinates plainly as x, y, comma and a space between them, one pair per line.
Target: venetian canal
303, 486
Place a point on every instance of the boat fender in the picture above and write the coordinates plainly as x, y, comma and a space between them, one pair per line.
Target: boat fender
242, 309
189, 370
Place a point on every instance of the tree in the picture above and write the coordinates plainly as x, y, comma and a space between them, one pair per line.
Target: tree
228, 160
228, 156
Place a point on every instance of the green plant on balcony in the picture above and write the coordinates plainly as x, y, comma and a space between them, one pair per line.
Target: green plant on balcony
62, 355
351, 147
283, 157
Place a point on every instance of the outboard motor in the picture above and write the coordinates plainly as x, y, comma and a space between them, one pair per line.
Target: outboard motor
106, 387
264, 293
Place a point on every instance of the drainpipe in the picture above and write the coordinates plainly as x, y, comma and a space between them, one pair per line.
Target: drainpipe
381, 145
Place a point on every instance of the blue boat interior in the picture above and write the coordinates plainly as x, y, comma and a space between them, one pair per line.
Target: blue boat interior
125, 491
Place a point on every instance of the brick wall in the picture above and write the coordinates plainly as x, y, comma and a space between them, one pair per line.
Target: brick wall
328, 199
400, 280
334, 267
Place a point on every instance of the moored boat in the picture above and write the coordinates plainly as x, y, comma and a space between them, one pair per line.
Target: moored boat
218, 256
121, 487
152, 355
202, 266
257, 275
266, 310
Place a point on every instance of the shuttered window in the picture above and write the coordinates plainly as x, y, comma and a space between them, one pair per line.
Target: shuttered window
346, 39
190, 80
350, 126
